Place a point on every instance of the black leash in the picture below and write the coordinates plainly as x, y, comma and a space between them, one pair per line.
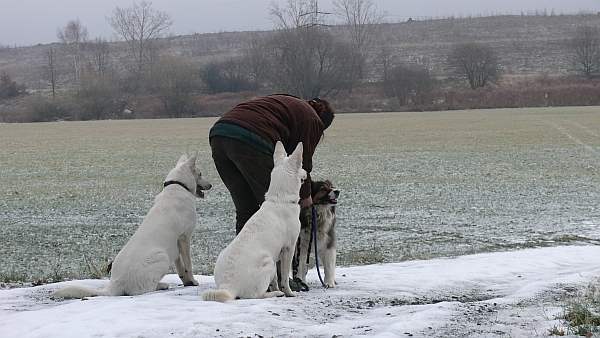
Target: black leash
314, 239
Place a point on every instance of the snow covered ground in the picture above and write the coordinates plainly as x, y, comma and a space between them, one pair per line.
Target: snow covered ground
505, 294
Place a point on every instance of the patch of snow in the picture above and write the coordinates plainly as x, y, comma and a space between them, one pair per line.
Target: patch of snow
482, 295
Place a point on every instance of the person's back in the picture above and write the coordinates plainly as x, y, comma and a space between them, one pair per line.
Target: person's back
277, 118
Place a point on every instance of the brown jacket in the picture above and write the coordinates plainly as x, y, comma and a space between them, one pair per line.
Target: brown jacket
281, 118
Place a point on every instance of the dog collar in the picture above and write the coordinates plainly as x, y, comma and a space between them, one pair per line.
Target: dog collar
168, 183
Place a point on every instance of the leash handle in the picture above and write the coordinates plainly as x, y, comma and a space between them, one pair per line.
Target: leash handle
314, 239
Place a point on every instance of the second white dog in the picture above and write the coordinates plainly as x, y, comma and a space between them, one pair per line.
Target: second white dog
247, 265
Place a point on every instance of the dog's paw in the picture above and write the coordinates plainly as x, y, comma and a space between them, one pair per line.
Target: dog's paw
192, 282
162, 286
274, 294
330, 284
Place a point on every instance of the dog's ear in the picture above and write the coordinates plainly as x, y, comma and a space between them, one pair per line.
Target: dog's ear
191, 161
296, 156
279, 154
182, 159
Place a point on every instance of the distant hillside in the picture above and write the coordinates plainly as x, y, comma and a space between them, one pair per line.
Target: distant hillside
526, 45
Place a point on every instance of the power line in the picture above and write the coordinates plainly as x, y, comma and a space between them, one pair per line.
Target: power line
315, 16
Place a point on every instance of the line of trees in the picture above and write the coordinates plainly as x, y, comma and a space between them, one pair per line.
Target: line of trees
303, 56
87, 82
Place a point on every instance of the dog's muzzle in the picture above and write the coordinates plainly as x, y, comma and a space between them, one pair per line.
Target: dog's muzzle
200, 188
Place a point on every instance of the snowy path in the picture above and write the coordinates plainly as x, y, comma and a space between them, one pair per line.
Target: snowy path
483, 295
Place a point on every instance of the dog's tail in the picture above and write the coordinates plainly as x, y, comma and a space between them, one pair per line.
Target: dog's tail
75, 291
221, 295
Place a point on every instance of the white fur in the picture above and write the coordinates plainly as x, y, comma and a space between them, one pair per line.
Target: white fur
163, 239
247, 265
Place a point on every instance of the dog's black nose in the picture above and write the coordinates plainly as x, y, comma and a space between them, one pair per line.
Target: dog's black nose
337, 193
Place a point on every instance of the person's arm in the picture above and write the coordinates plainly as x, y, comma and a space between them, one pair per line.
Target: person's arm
306, 202
311, 138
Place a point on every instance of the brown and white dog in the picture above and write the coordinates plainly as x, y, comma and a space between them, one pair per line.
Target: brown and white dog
324, 197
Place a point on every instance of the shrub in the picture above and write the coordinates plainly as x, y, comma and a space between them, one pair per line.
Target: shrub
174, 82
9, 88
97, 98
477, 63
541, 92
411, 85
227, 76
582, 313
42, 109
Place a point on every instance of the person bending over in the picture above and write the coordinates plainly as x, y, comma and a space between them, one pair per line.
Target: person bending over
243, 140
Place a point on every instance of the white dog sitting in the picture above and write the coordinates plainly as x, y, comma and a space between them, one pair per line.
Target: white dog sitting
247, 265
162, 239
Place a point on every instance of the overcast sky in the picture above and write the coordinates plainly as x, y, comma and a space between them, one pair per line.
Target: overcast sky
27, 22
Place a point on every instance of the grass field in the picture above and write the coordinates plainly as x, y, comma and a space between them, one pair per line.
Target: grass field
414, 185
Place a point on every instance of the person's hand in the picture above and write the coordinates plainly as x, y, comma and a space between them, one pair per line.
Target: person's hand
306, 202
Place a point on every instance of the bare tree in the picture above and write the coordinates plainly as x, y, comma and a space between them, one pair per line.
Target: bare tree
73, 33
73, 36
51, 70
99, 54
362, 18
139, 25
586, 49
295, 14
304, 58
255, 59
309, 62
174, 81
385, 60
477, 63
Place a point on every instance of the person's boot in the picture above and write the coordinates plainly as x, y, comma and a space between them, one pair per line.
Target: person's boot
296, 284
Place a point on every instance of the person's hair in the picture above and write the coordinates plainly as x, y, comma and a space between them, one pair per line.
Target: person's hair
324, 110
